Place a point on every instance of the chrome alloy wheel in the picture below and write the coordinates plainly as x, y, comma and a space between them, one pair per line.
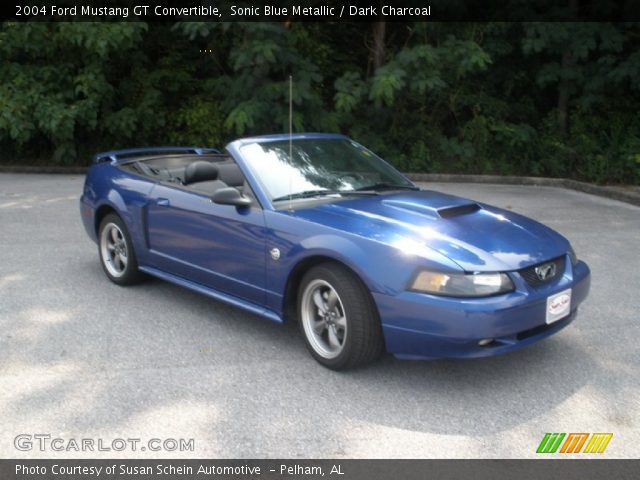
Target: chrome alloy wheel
323, 319
113, 249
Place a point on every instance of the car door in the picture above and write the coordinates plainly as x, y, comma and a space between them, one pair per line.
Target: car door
219, 246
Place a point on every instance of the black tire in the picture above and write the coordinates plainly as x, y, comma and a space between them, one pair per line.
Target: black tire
357, 335
120, 268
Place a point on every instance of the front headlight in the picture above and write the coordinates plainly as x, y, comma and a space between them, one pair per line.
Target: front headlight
462, 284
572, 256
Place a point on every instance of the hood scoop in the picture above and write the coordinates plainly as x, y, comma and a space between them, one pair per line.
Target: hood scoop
432, 209
458, 210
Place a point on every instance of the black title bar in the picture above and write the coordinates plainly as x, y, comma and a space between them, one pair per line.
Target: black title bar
318, 10
315, 469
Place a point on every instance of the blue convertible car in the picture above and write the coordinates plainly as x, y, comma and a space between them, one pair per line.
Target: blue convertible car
316, 228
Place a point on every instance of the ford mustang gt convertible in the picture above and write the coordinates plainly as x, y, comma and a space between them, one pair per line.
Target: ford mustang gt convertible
317, 229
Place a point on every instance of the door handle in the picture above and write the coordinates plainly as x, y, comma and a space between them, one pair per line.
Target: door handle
163, 202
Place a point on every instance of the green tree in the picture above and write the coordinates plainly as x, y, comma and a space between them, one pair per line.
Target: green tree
57, 83
555, 99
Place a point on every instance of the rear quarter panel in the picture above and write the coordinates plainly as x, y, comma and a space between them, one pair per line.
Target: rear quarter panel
127, 194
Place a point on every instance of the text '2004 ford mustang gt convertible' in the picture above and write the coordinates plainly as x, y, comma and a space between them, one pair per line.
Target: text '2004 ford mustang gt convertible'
318, 229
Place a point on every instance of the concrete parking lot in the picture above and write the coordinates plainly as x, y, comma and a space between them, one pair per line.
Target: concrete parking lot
83, 358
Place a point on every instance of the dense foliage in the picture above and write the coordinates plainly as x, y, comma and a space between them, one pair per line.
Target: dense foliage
553, 99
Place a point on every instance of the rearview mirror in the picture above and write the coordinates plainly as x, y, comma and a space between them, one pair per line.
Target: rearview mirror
230, 196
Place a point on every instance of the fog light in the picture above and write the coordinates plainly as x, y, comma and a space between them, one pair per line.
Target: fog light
486, 341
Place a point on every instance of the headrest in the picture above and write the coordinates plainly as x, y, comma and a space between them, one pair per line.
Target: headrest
200, 171
231, 174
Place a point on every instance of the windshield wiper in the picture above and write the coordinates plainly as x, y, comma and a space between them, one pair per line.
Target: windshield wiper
387, 186
320, 193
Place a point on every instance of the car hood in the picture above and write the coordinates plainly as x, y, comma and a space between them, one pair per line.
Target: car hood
475, 236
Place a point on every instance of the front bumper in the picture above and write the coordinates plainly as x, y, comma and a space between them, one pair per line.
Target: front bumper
417, 325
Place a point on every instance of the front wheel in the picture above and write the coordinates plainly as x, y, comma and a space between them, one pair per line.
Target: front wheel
116, 251
338, 318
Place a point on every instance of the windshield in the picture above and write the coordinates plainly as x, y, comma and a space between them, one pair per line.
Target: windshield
319, 165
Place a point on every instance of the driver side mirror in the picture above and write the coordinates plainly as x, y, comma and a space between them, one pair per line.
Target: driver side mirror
230, 196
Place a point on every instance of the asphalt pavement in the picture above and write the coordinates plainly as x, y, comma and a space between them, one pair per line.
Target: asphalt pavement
81, 358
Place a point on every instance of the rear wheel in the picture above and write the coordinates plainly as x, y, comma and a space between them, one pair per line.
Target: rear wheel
338, 318
116, 251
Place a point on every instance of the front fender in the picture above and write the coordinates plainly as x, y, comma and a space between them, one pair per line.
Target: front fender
324, 246
382, 268
340, 249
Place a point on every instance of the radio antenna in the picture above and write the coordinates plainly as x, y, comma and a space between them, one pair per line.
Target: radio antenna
290, 139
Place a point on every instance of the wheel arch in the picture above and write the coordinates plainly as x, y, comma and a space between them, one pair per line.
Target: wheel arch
112, 202
101, 212
290, 298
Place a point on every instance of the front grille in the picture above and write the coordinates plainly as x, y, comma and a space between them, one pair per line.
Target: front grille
533, 278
